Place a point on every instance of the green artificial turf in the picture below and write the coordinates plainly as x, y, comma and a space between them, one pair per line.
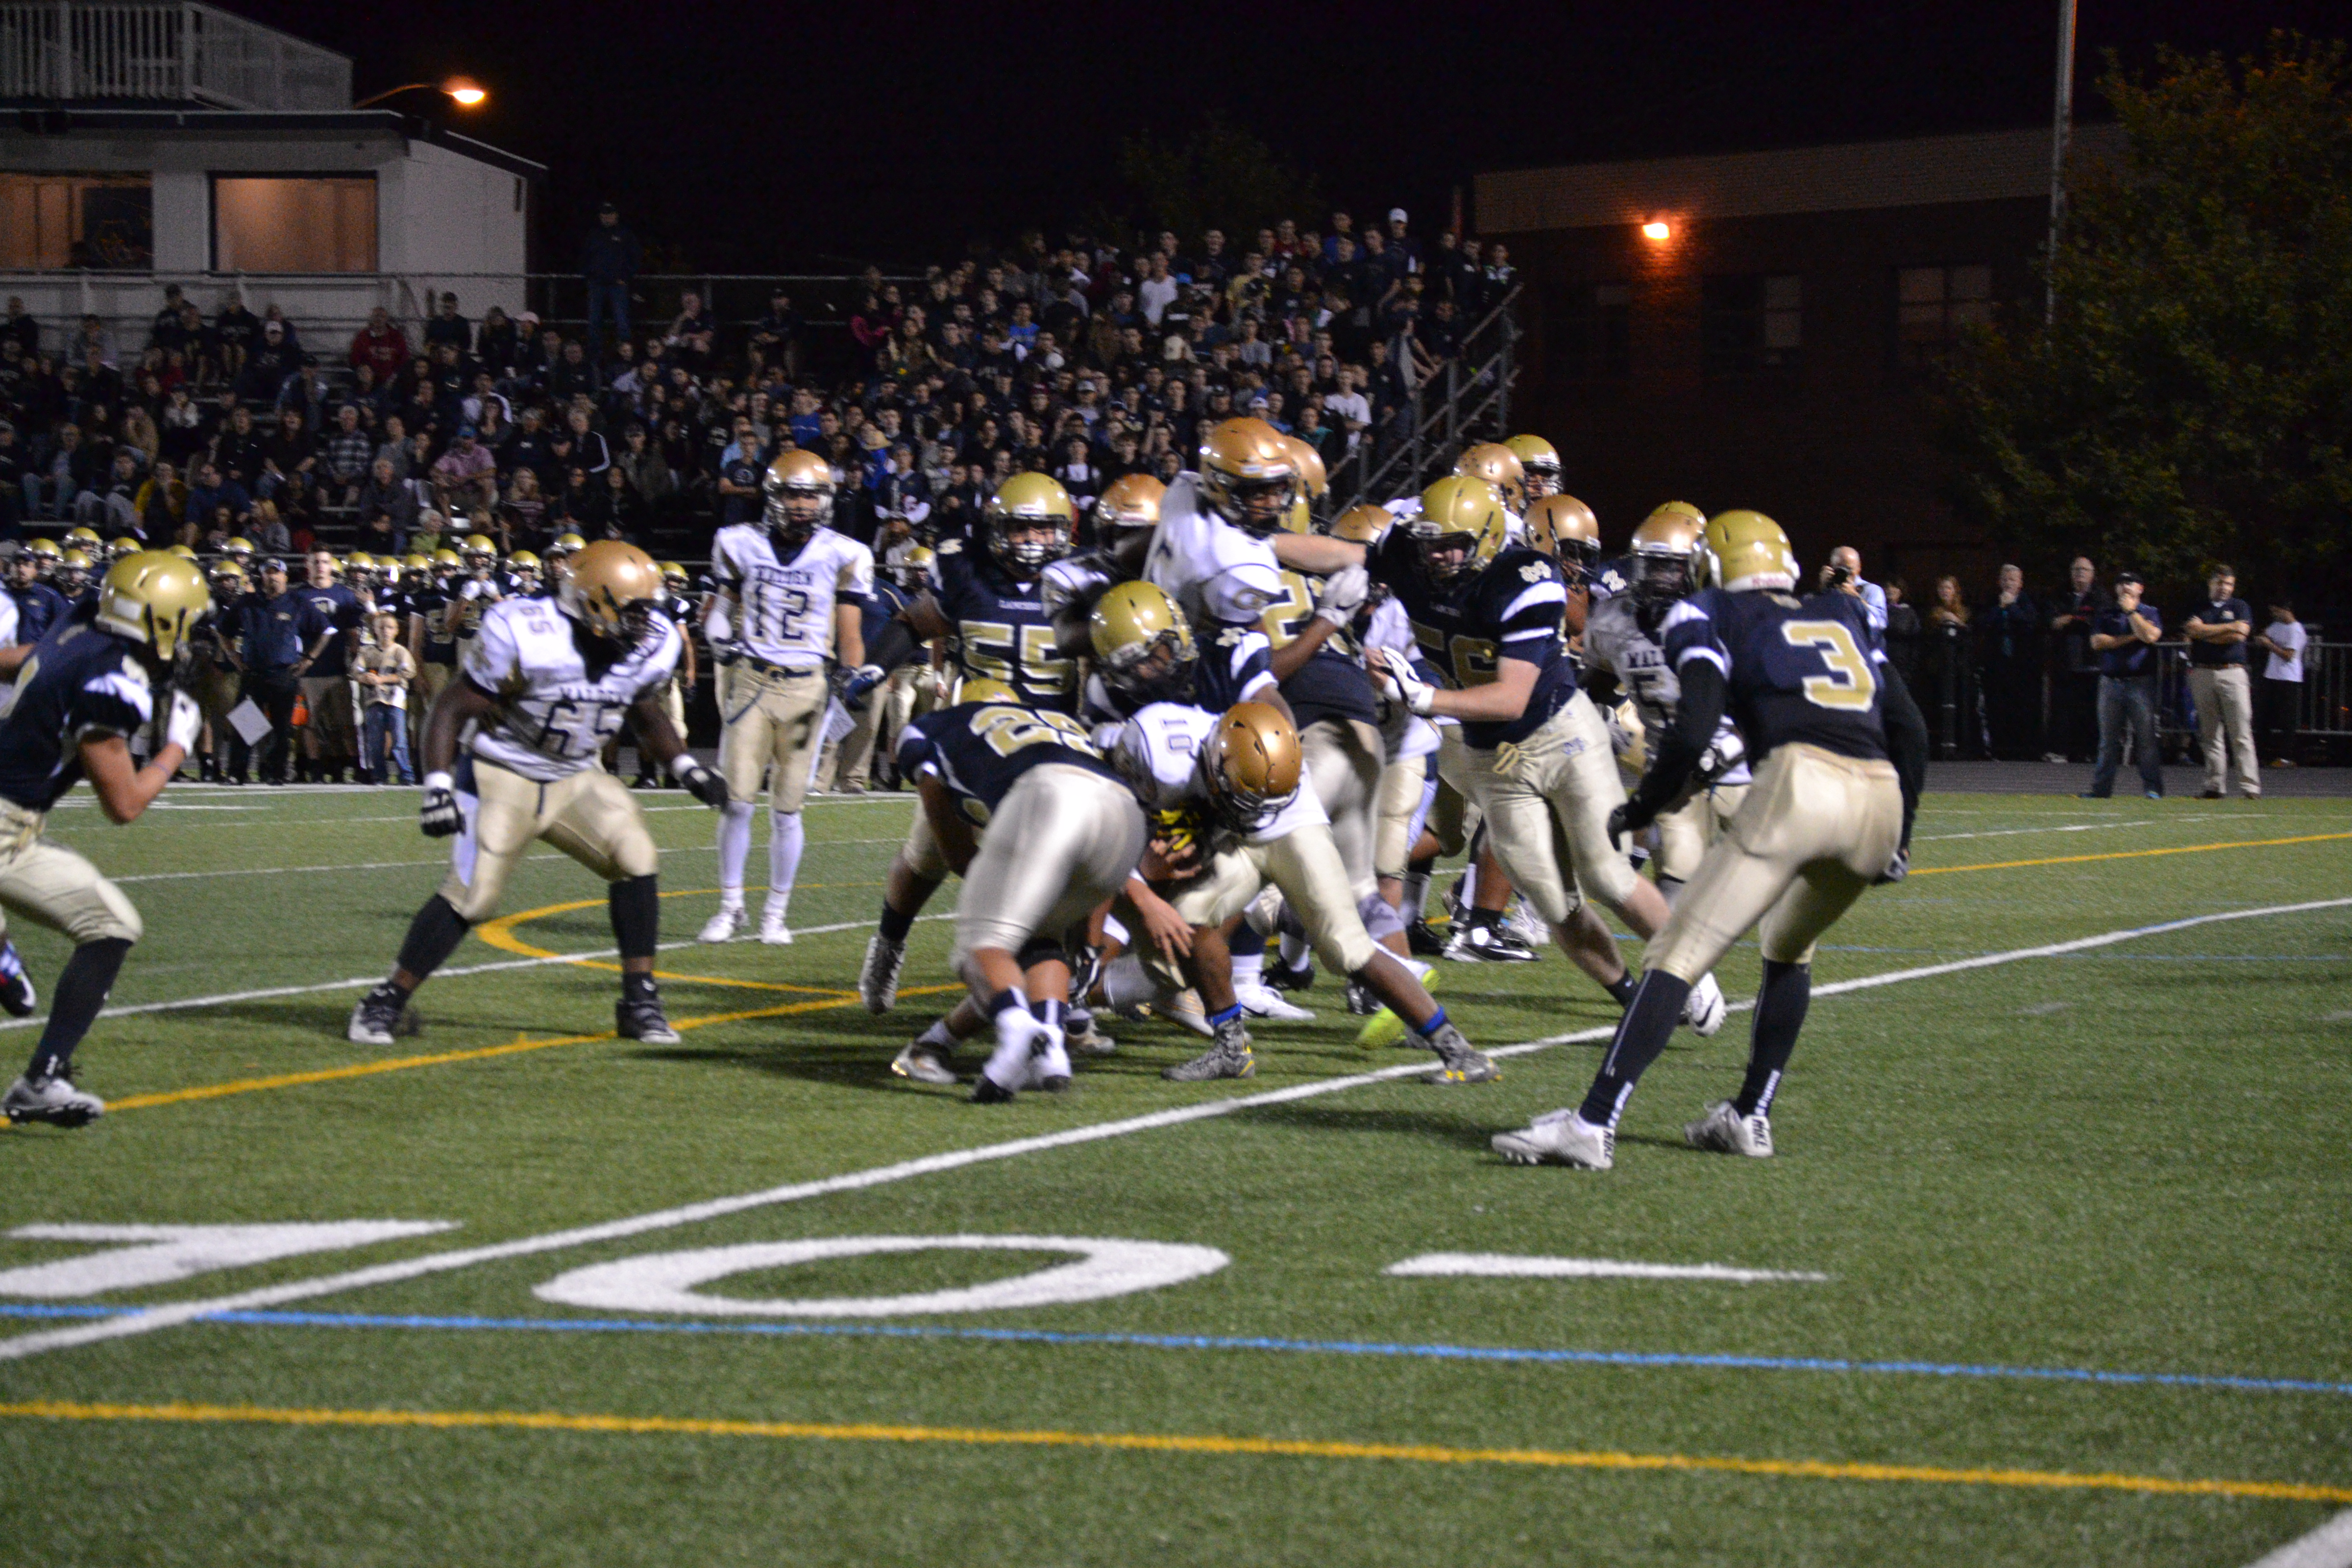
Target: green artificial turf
2123, 1160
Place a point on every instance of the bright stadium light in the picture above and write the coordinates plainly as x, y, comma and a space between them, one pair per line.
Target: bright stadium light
1657, 228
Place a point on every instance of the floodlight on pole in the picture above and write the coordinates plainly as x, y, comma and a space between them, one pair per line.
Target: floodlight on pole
464, 91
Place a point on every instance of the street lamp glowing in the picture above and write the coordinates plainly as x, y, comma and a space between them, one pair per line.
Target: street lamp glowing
469, 94
465, 92
1657, 229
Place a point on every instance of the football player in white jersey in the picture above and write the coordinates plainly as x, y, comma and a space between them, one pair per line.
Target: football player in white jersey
544, 685
789, 600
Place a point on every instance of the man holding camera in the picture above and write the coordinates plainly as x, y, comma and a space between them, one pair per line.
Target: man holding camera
2217, 632
1843, 575
2123, 636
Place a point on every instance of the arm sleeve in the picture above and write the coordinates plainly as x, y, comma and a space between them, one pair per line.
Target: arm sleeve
1906, 739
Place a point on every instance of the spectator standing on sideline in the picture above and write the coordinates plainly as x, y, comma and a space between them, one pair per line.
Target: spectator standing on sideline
385, 671
2123, 635
2074, 706
2282, 642
1903, 633
1950, 696
1845, 559
2217, 632
268, 656
608, 264
2008, 652
331, 624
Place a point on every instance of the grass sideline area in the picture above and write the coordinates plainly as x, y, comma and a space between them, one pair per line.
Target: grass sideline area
2054, 1242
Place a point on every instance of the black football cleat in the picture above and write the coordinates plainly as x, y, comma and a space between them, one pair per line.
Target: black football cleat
642, 1020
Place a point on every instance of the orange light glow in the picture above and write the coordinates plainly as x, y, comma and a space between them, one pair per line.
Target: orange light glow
1657, 228
467, 93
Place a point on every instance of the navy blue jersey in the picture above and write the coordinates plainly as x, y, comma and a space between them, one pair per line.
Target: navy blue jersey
882, 606
1611, 577
1510, 609
333, 607
79, 682
979, 750
1235, 665
1799, 670
38, 607
1002, 629
1331, 684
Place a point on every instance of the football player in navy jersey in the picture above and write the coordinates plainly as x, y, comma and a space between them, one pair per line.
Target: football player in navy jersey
1539, 762
81, 694
1838, 747
984, 598
1043, 833
39, 606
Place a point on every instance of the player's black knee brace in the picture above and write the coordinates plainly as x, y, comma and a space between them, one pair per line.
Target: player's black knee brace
1037, 949
636, 904
433, 936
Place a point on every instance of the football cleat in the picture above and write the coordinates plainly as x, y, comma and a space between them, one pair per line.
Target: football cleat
925, 1063
1049, 1064
1185, 1008
1079, 1034
1422, 939
15, 986
773, 929
53, 1100
1266, 1002
1384, 1027
724, 925
1457, 1063
1229, 1057
877, 977
1724, 1131
1527, 925
1560, 1138
1705, 1009
1282, 977
642, 1020
381, 1015
1362, 1003
1022, 1041
1488, 944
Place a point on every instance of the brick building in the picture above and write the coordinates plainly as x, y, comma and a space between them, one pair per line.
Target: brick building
1752, 329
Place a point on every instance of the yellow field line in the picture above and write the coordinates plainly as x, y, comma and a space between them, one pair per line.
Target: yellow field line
2128, 853
500, 933
1177, 1443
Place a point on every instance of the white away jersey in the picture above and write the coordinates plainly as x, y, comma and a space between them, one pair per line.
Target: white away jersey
1213, 570
553, 718
1158, 754
783, 610
1406, 733
1615, 641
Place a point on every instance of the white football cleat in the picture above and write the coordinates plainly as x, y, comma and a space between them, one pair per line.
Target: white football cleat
877, 977
1049, 1064
773, 929
1020, 1040
1724, 1131
1705, 1009
1561, 1138
925, 1063
1266, 1002
724, 925
53, 1100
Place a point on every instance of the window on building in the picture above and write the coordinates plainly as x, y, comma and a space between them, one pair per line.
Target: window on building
1592, 337
1932, 305
1753, 325
294, 222
52, 222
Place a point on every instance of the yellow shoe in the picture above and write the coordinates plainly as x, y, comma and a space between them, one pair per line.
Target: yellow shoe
1384, 1028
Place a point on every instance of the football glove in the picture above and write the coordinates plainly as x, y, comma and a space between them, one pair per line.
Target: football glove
185, 723
1400, 684
699, 781
1898, 868
439, 818
725, 650
1343, 596
859, 686
1629, 819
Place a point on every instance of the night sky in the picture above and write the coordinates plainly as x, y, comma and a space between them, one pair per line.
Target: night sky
758, 138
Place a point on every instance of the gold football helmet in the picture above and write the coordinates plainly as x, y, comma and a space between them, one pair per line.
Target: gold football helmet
87, 540
46, 552
1741, 551
566, 544
1660, 555
1131, 503
418, 563
1361, 524
799, 491
979, 688
1539, 460
154, 597
447, 561
525, 566
74, 568
674, 575
1681, 508
228, 580
1142, 644
238, 549
612, 590
1461, 527
1499, 467
1564, 527
1249, 474
478, 554
1251, 765
183, 552
1029, 521
1314, 478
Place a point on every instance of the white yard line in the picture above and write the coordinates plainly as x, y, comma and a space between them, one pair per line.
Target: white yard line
2329, 1546
178, 1312
439, 860
1516, 1266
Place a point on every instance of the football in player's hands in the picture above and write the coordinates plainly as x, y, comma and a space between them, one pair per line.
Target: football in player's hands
1343, 594
439, 818
185, 723
708, 787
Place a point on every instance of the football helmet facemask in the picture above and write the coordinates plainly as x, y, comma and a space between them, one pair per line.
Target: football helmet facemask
1142, 646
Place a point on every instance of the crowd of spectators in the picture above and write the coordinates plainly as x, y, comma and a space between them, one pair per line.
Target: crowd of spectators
1087, 360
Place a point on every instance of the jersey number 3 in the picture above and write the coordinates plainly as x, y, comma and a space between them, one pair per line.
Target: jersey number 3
1849, 685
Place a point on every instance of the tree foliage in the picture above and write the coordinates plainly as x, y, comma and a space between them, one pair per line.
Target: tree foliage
1219, 176
2191, 401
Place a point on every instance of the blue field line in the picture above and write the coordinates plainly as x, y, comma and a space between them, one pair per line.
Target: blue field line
1225, 1343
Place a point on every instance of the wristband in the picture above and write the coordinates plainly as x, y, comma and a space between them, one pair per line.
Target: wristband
684, 766
443, 780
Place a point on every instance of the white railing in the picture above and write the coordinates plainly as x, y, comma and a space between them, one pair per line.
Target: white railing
66, 52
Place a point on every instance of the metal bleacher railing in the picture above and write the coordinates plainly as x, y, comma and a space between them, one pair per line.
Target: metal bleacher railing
70, 52
1466, 399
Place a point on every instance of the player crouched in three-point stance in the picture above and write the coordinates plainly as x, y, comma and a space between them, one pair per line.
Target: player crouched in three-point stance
792, 596
545, 684
1830, 814
81, 694
1043, 833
